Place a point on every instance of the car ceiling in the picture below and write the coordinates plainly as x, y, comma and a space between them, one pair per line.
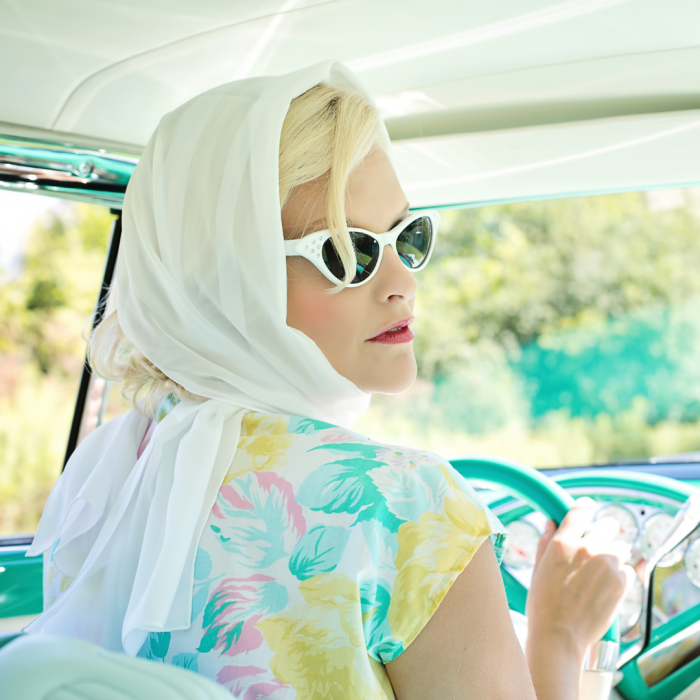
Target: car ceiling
485, 101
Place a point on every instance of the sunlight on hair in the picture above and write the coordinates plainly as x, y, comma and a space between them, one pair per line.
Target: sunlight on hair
327, 131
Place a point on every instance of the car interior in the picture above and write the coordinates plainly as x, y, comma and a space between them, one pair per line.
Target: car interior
491, 108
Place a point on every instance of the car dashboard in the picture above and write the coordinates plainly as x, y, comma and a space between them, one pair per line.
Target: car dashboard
676, 580
659, 644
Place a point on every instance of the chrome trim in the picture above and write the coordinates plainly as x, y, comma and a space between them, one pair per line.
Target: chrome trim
602, 656
664, 659
684, 523
65, 170
15, 548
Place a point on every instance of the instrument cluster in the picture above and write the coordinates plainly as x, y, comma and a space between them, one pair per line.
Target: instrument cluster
676, 579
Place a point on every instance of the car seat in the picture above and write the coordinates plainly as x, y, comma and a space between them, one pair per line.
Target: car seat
50, 667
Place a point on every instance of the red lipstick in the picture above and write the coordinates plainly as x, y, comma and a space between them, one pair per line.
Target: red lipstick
398, 332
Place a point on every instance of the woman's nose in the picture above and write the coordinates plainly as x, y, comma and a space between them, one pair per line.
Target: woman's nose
394, 279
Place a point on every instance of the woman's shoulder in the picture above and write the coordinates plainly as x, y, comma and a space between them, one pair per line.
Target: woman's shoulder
258, 423
332, 442
389, 527
316, 436
338, 470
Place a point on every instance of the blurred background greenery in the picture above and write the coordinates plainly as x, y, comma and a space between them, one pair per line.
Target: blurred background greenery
45, 308
560, 332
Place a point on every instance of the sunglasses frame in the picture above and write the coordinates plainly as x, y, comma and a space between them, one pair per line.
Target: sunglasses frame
311, 246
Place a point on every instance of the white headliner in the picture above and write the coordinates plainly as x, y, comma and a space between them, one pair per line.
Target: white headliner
106, 72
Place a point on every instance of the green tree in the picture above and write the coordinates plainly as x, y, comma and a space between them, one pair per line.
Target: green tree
566, 328
507, 276
56, 290
42, 314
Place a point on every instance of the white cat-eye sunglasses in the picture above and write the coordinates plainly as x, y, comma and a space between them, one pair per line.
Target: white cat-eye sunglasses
412, 240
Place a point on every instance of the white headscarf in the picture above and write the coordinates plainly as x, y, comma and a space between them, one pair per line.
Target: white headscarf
202, 293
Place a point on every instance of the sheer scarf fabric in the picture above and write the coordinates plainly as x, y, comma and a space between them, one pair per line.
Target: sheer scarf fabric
202, 293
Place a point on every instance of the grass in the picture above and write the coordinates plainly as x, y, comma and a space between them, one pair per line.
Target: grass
34, 425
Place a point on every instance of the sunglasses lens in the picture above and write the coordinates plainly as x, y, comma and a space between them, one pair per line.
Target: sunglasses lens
413, 243
332, 259
366, 255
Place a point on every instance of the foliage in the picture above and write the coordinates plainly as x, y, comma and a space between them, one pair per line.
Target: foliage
555, 332
517, 273
605, 367
43, 311
533, 315
42, 315
413, 420
34, 424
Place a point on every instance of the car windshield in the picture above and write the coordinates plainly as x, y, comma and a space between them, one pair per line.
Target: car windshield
556, 332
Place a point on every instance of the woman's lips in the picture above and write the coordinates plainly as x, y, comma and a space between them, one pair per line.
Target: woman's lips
398, 333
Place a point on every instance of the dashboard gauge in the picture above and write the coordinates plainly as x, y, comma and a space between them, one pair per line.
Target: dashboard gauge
523, 539
629, 531
631, 606
653, 532
692, 562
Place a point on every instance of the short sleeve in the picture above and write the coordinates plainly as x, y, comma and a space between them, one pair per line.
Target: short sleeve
428, 527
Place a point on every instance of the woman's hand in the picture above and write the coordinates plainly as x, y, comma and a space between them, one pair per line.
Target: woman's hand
577, 585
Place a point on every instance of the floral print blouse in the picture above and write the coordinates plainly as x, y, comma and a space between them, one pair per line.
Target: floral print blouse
324, 556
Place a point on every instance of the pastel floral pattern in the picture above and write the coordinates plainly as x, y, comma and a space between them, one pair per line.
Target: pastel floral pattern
233, 610
324, 556
319, 646
260, 521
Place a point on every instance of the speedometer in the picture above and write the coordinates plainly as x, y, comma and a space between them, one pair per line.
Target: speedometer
653, 532
625, 519
521, 549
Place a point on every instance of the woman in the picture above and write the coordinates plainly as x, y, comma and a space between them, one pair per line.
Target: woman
245, 532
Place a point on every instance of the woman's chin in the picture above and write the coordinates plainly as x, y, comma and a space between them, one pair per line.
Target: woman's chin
395, 379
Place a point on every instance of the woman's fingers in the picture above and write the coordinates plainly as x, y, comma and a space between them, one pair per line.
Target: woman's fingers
621, 550
579, 578
601, 537
578, 520
603, 530
550, 529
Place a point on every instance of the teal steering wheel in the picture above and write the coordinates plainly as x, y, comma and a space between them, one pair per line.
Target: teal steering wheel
538, 491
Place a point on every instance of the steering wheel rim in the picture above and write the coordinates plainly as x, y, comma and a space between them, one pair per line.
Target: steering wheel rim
518, 480
527, 484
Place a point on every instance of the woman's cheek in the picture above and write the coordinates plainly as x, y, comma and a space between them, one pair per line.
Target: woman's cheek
325, 318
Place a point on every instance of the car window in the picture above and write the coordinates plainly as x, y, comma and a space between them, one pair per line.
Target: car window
52, 257
559, 332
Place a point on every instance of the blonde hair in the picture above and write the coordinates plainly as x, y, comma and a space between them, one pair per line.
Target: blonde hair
327, 132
